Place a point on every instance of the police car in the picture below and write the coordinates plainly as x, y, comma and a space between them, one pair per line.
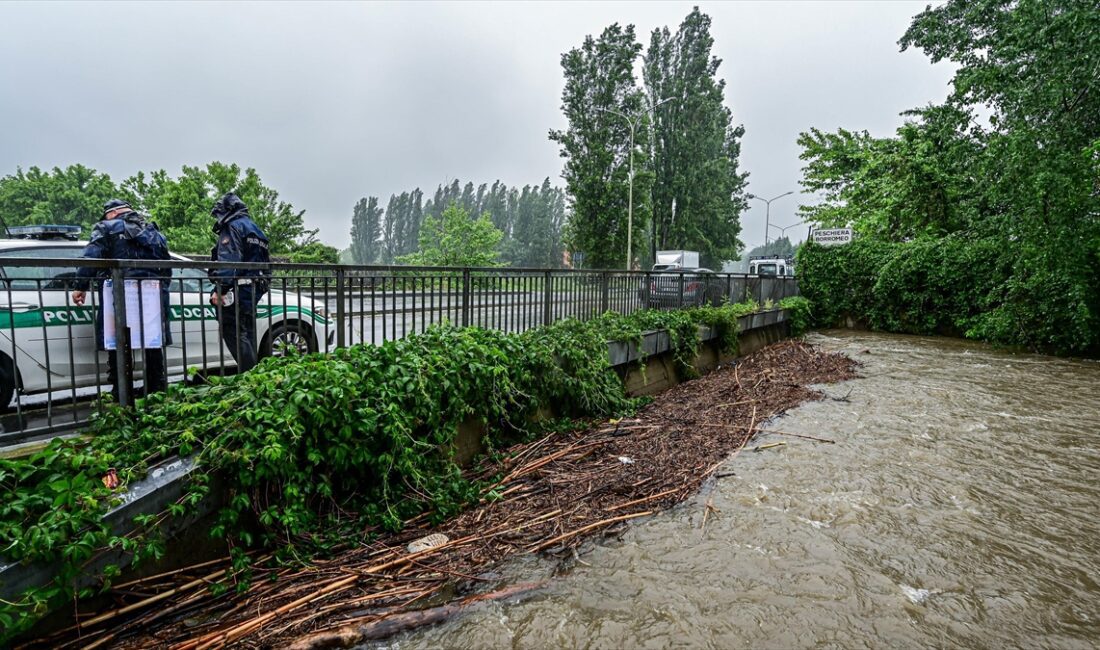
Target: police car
48, 344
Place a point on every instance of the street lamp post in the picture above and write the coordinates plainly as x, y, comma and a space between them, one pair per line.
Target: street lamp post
783, 229
633, 122
768, 212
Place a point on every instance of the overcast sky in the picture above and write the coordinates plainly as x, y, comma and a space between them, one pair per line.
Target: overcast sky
333, 102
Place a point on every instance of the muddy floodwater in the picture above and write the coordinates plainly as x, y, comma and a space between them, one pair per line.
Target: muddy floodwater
959, 507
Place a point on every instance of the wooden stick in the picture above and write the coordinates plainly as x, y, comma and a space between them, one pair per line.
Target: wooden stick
166, 574
238, 631
561, 538
644, 499
797, 435
154, 599
324, 610
768, 446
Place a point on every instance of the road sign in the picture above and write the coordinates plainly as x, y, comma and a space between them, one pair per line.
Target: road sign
832, 236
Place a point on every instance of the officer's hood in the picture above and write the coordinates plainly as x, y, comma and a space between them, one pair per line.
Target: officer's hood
228, 208
133, 223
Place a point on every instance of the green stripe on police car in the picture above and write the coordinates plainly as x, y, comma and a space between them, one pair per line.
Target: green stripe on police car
66, 316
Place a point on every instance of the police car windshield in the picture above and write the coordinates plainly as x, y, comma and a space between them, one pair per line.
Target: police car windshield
46, 278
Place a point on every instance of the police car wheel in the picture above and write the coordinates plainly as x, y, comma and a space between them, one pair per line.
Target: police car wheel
289, 336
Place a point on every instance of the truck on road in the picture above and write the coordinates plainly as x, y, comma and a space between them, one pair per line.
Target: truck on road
675, 260
771, 266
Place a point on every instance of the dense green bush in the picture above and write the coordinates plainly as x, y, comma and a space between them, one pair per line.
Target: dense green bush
980, 288
840, 281
316, 449
799, 314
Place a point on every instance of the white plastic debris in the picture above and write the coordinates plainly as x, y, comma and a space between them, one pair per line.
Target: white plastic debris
626, 460
425, 543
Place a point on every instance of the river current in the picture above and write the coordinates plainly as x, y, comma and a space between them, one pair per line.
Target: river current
959, 507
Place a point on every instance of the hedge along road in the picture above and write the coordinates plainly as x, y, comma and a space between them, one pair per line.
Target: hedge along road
957, 508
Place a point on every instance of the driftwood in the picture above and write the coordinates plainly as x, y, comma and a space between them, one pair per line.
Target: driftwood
355, 634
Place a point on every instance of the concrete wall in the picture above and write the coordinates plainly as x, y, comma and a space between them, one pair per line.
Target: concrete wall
658, 372
649, 367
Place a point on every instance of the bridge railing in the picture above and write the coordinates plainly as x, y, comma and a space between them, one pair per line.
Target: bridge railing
54, 359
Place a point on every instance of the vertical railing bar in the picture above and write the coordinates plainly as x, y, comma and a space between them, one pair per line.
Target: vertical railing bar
362, 308
546, 298
466, 297
123, 370
415, 306
183, 324
220, 313
384, 283
46, 348
69, 309
15, 362
404, 305
341, 312
204, 302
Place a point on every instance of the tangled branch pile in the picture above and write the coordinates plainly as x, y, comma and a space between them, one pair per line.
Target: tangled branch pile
546, 495
319, 448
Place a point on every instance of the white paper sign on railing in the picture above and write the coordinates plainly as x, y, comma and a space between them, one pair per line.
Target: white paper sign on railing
143, 315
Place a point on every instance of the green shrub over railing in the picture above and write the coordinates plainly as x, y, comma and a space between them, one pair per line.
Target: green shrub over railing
316, 449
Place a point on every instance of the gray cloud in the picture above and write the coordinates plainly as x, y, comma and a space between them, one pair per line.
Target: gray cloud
331, 102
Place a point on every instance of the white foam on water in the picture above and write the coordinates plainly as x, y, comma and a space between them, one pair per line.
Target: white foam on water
916, 596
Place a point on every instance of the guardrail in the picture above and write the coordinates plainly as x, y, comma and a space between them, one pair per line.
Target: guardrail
52, 364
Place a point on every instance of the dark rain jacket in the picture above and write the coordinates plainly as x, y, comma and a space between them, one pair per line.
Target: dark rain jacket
239, 240
127, 237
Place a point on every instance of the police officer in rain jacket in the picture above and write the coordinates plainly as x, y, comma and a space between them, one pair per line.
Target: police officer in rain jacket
123, 234
237, 291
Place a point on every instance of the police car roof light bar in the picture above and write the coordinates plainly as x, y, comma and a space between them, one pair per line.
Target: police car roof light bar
46, 231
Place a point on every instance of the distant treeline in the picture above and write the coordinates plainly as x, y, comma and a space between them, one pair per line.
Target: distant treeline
531, 220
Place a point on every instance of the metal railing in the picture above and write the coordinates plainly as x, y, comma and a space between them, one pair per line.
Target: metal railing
52, 364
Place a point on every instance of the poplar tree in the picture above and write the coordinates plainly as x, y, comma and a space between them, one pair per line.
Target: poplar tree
698, 190
599, 79
366, 228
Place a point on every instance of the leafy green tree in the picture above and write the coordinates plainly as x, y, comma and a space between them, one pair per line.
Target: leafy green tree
366, 228
918, 183
599, 82
181, 206
454, 239
1018, 191
315, 253
70, 196
698, 190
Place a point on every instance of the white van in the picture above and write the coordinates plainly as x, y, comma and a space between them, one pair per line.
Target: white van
771, 266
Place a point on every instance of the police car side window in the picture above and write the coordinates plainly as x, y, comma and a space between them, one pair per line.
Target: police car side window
189, 281
46, 278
